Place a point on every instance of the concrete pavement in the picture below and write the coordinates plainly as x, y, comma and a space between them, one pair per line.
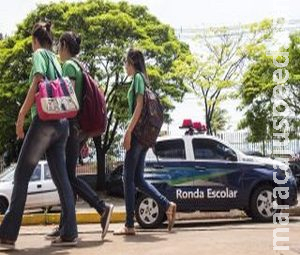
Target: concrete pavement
226, 237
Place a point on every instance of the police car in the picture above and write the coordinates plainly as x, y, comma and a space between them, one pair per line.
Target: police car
202, 173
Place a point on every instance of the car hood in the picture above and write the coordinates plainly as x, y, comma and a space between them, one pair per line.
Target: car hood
263, 160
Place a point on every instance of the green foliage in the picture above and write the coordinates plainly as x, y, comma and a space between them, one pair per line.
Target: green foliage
219, 120
107, 31
258, 95
216, 72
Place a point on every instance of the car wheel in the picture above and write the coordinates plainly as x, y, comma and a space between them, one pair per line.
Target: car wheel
148, 213
261, 204
3, 205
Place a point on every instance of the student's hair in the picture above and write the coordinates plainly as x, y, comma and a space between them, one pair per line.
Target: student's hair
136, 58
42, 32
72, 41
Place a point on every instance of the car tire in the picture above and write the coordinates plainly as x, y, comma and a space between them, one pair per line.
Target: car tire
261, 204
3, 205
148, 213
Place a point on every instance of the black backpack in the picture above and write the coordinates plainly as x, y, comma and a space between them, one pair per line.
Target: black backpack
151, 120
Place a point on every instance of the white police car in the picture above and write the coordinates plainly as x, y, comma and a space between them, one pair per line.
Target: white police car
202, 173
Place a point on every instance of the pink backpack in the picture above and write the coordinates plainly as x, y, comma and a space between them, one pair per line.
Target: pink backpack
56, 99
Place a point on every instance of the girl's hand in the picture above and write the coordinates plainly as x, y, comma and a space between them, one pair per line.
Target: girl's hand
19, 127
127, 140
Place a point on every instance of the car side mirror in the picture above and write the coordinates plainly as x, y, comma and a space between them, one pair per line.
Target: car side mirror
154, 150
230, 155
155, 153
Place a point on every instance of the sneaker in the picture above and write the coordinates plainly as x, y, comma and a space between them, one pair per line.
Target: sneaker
7, 244
105, 219
54, 234
61, 242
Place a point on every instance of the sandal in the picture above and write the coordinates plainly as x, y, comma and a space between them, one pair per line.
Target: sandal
125, 231
171, 215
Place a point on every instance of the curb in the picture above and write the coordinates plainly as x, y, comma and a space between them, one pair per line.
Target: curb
118, 217
295, 211
54, 218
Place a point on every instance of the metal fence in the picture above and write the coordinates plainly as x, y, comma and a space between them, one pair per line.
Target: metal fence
239, 141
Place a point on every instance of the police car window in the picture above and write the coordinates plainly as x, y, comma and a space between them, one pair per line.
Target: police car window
209, 149
36, 176
171, 149
47, 173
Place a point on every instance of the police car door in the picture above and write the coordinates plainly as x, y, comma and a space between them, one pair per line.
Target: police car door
218, 175
172, 174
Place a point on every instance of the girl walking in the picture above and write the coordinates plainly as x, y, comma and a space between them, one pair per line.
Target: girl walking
43, 137
133, 173
69, 47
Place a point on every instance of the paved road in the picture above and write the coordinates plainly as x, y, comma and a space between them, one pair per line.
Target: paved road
194, 237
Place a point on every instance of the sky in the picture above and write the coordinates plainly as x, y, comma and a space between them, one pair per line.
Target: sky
183, 14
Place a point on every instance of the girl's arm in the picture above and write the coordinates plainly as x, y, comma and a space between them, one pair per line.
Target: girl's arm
133, 121
29, 101
137, 113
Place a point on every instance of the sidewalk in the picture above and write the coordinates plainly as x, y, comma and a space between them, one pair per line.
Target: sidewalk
86, 214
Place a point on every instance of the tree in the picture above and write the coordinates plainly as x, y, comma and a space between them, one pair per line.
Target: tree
107, 30
257, 92
293, 84
258, 122
219, 120
216, 72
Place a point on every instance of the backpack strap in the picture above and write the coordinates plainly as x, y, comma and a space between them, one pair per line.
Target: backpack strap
79, 64
54, 66
62, 82
146, 81
134, 94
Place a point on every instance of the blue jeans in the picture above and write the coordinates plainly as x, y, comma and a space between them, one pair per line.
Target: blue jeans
48, 137
133, 177
79, 186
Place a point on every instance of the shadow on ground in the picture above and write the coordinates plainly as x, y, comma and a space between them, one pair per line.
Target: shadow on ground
216, 225
49, 250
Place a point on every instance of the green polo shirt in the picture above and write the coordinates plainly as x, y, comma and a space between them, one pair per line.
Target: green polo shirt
41, 65
137, 86
71, 69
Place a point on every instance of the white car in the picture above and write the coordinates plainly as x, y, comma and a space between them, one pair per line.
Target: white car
42, 192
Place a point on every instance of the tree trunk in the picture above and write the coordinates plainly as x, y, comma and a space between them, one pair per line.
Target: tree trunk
208, 126
100, 184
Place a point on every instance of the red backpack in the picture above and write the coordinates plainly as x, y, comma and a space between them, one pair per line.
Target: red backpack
92, 114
